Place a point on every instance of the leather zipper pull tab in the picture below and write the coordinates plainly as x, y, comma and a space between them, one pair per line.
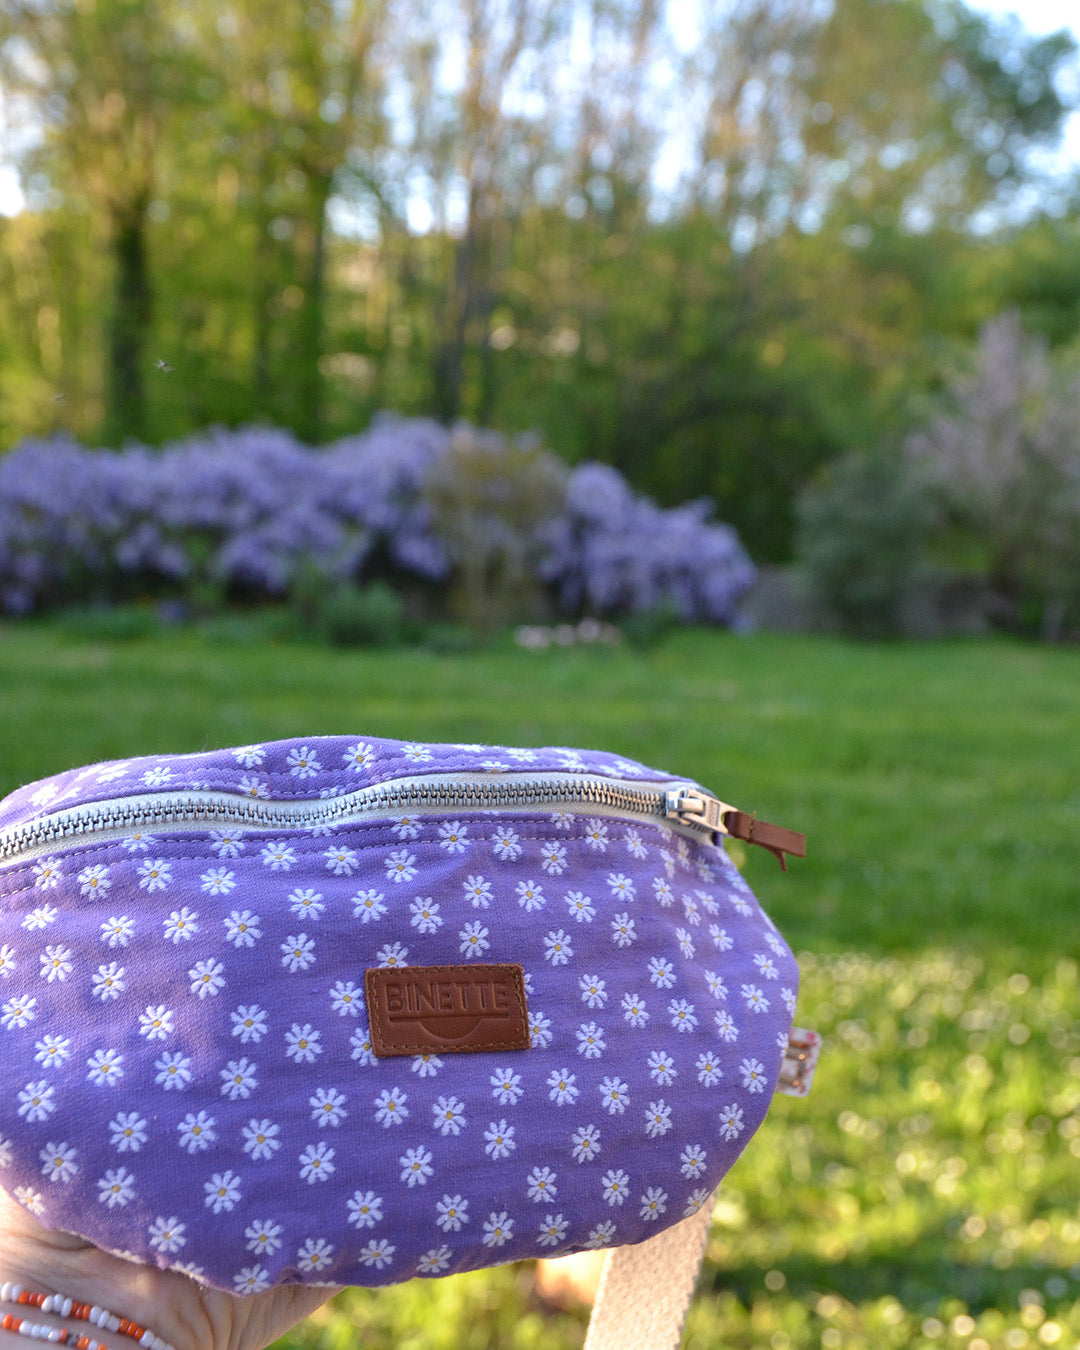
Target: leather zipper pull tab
741, 825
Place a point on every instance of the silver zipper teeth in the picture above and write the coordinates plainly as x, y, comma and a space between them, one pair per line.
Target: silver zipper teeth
255, 813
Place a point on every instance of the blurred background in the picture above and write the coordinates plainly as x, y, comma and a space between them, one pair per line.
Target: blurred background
698, 381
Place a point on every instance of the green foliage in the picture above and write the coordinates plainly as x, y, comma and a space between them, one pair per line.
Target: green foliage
863, 532
344, 614
924, 1194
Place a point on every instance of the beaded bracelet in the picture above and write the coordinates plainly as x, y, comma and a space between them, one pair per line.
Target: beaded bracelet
62, 1306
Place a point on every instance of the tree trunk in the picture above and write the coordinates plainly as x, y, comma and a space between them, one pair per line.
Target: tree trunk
128, 326
310, 323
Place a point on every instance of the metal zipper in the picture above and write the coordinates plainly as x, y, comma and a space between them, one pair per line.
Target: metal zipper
683, 805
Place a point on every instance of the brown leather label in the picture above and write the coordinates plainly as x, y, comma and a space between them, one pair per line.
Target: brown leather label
418, 1010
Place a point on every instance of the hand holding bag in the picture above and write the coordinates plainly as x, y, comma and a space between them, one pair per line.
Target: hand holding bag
353, 1010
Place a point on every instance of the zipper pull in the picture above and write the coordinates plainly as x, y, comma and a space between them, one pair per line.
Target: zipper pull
693, 807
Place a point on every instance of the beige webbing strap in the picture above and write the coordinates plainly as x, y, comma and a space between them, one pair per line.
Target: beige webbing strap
645, 1290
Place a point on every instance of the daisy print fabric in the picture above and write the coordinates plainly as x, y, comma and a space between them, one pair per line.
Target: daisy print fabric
187, 1073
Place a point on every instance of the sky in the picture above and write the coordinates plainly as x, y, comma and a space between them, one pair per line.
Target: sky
1038, 17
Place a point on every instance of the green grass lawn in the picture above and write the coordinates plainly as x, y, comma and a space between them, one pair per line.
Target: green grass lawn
926, 1193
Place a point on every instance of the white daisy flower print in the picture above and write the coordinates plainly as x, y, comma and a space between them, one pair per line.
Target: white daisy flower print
154, 874
661, 972
218, 881
94, 881
207, 977
249, 1023
117, 932
40, 917
316, 1254
596, 835
378, 1253
18, 1012
222, 1192
590, 1040
30, 1199
451, 1213
498, 1229
251, 1280
663, 892
426, 1066
541, 1184
317, 1163
53, 1051
167, 1235
506, 1087
406, 827
278, 856
472, 940
302, 763
686, 943
653, 1203
108, 981
623, 932
368, 905
506, 844
739, 904
238, 1079
754, 998
346, 999
415, 1164
553, 859
557, 948
156, 1023
634, 1012
180, 926
563, 1085
434, 1262
249, 756
302, 1043
662, 1068
725, 1025
449, 1115
540, 1029
731, 1122
261, 1140
400, 866
342, 862
365, 1209
56, 963
552, 1230
530, 896
593, 991
708, 1069
158, 776
127, 1132
393, 954
522, 755
263, 1236
416, 753
692, 1160
454, 837
58, 1162
580, 906
47, 874
306, 903
634, 845
242, 928
717, 987
197, 1132
37, 1101
695, 1200
106, 1068
753, 1074
622, 888
227, 843
424, 915
615, 1186
173, 1071
298, 952
603, 1235
682, 1015
359, 757
360, 1041
390, 1108
562, 820
614, 1096
657, 1119
499, 1140
478, 891
585, 1143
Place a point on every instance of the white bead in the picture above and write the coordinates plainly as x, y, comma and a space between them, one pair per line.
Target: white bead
65, 1311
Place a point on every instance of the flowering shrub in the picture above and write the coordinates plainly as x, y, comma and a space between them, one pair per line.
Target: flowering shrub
242, 512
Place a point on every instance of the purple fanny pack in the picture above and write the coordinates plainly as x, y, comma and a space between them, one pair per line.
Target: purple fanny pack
350, 1011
